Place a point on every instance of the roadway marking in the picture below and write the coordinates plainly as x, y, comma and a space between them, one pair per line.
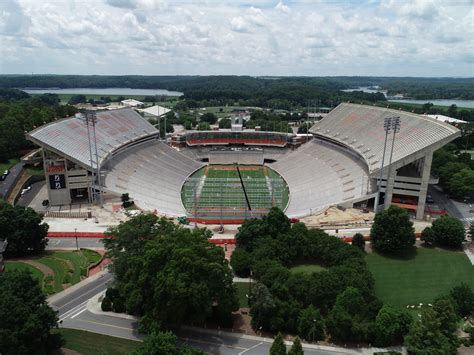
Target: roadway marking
82, 311
72, 310
92, 289
104, 324
214, 343
251, 348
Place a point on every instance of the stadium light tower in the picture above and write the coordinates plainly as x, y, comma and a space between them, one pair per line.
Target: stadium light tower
91, 119
387, 126
396, 128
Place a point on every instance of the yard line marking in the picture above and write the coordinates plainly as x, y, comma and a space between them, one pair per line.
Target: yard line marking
82, 311
251, 348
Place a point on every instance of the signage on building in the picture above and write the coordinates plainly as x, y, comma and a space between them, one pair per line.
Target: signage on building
57, 181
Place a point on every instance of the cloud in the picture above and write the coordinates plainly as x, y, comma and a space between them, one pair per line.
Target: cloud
12, 18
123, 4
386, 37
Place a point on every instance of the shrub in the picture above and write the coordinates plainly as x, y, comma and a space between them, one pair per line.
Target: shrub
358, 241
119, 305
106, 305
427, 236
448, 231
240, 262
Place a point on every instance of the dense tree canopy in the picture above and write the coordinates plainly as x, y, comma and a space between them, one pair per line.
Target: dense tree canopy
25, 317
282, 300
168, 274
392, 231
24, 230
19, 113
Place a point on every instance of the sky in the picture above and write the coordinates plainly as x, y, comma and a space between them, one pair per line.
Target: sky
195, 37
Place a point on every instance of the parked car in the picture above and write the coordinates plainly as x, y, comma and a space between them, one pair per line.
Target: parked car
6, 172
25, 190
429, 199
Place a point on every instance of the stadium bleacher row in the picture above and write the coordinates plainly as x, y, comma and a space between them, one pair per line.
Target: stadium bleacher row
153, 173
321, 174
360, 128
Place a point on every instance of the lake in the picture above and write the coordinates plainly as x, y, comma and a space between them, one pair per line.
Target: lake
440, 102
105, 91
437, 102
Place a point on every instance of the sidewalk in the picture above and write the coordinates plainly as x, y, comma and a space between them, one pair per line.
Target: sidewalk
93, 306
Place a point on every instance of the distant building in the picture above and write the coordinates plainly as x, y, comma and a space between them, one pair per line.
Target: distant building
156, 111
131, 103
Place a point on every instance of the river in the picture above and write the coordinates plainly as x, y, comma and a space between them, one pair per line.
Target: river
105, 91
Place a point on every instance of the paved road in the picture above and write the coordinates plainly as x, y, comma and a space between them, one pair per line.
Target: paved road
26, 199
10, 179
446, 203
70, 243
73, 313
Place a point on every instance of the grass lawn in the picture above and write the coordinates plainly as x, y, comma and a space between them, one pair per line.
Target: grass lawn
92, 343
242, 291
309, 268
17, 265
9, 164
420, 276
59, 268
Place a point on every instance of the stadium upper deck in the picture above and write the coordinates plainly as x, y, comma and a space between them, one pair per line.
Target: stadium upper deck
360, 128
114, 129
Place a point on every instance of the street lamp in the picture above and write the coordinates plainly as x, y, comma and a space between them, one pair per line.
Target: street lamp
75, 236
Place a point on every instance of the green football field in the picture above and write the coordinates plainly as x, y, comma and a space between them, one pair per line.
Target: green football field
217, 192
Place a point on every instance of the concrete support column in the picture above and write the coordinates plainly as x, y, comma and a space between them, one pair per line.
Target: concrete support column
389, 187
425, 178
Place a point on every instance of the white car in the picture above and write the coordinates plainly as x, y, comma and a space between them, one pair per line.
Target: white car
24, 191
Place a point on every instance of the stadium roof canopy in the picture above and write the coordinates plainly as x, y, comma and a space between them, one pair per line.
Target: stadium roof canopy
114, 129
360, 128
155, 110
444, 118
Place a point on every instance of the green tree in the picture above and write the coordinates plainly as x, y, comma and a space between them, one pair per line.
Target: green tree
278, 347
24, 230
447, 316
77, 99
391, 325
25, 317
463, 299
461, 184
448, 231
358, 241
311, 324
169, 274
165, 343
126, 200
392, 231
296, 348
209, 117
240, 262
347, 320
225, 123
203, 126
427, 236
426, 337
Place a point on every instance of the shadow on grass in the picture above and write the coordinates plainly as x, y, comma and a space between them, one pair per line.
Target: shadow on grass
408, 254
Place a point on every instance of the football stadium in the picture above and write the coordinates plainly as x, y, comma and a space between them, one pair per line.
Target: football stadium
226, 176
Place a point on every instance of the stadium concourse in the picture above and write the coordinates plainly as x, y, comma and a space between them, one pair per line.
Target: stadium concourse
340, 166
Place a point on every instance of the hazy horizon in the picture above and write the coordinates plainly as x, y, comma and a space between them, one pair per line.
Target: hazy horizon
420, 38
